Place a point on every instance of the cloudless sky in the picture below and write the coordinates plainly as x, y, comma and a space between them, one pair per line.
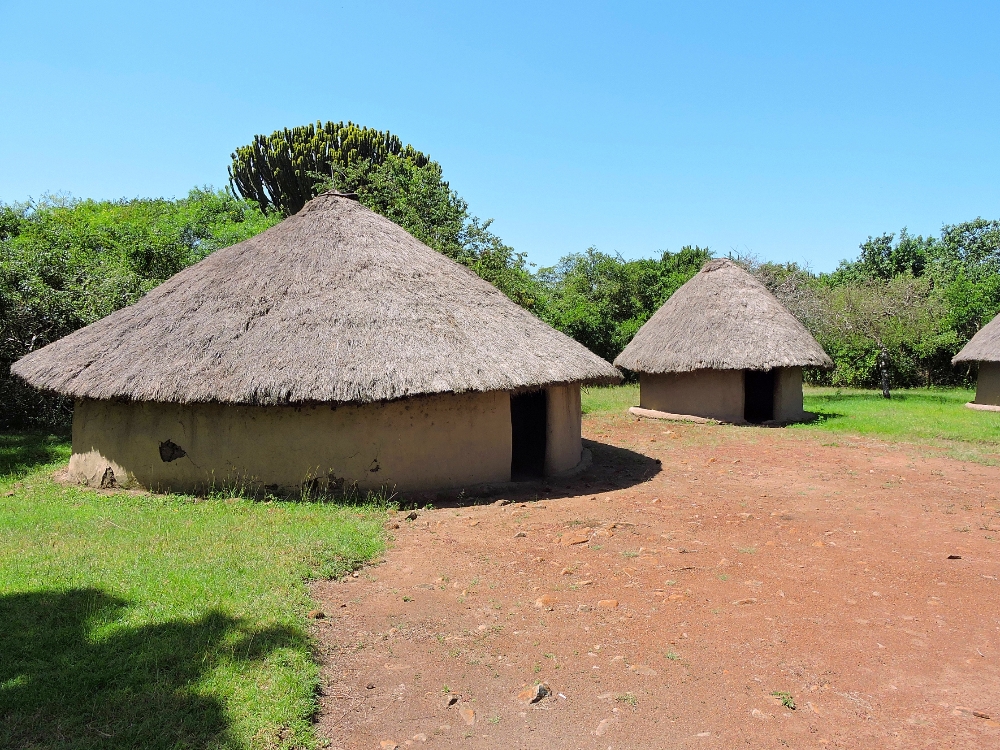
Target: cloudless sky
790, 131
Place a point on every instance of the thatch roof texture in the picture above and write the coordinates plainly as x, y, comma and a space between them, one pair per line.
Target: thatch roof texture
722, 319
984, 346
335, 304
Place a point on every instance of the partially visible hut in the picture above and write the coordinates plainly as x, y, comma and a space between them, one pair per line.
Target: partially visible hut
333, 349
984, 348
722, 347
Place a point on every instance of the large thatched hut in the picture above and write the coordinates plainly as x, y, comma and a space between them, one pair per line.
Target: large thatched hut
984, 348
332, 349
722, 347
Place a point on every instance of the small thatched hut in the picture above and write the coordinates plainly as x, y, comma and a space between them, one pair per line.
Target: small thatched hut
722, 347
332, 349
984, 348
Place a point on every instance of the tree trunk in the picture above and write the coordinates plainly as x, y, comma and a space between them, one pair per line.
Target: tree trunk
883, 366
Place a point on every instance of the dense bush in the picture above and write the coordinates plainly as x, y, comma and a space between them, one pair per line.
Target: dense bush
66, 263
897, 315
601, 300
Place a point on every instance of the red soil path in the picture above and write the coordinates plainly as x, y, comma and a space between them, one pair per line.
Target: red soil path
753, 562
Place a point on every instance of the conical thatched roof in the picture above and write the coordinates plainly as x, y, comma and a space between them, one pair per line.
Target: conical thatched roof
335, 304
984, 346
722, 319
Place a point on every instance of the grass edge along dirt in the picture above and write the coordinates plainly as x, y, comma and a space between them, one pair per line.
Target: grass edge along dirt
931, 416
161, 621
935, 418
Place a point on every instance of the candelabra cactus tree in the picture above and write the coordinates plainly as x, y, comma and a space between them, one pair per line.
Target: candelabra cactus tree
283, 170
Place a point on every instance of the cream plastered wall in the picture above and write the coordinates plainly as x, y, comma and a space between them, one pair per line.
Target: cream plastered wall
988, 385
715, 394
563, 444
718, 394
788, 394
432, 442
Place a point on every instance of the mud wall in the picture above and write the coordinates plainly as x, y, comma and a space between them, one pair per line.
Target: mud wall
715, 394
788, 394
988, 385
563, 445
432, 442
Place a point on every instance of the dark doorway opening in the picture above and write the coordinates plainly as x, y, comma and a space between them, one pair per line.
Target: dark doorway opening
758, 395
527, 432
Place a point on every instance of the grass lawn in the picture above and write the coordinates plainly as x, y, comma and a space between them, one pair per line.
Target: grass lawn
159, 621
936, 416
921, 415
611, 398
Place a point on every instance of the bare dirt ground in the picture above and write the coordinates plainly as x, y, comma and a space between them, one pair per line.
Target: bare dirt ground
665, 606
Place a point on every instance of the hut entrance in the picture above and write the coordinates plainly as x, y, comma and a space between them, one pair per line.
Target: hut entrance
527, 427
758, 395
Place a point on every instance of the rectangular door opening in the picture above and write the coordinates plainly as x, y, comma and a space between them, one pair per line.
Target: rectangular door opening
527, 432
758, 395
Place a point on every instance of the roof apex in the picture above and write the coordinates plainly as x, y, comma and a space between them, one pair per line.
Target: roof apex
721, 319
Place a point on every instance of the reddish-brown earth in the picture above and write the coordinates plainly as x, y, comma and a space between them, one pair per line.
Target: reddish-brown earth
753, 562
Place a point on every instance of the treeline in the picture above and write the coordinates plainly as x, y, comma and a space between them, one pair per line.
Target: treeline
66, 263
896, 315
893, 317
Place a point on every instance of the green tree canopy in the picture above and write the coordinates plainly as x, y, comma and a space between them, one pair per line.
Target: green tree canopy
897, 314
281, 171
65, 263
881, 331
290, 166
883, 258
602, 300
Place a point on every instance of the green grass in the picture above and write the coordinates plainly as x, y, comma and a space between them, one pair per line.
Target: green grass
159, 621
936, 416
786, 699
613, 398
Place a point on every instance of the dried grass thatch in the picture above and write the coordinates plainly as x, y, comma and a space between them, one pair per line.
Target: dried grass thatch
722, 319
984, 346
335, 304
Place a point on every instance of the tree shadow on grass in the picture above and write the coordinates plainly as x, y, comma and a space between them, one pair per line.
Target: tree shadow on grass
23, 452
819, 418
64, 684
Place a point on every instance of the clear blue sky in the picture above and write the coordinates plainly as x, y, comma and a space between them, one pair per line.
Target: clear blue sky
792, 131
